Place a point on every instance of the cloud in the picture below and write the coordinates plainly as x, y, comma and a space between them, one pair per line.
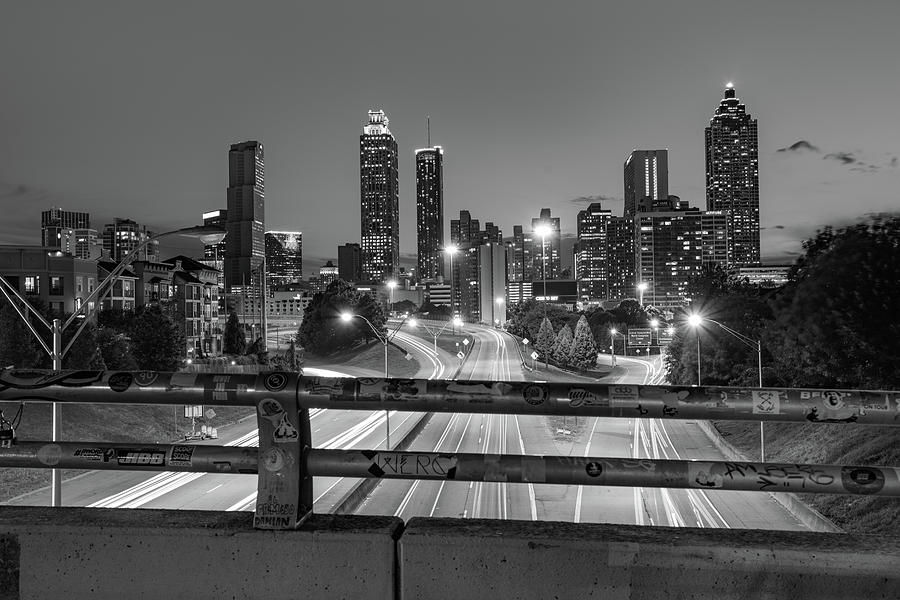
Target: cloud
799, 146
585, 200
846, 158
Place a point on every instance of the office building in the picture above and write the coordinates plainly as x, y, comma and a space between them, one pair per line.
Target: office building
646, 181
545, 250
516, 255
56, 222
430, 213
732, 176
284, 258
674, 247
328, 274
122, 236
591, 253
350, 262
216, 252
245, 217
464, 230
620, 247
481, 281
379, 200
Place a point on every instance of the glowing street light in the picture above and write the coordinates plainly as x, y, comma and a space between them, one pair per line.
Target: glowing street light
502, 317
695, 320
641, 288
385, 340
391, 285
612, 340
451, 250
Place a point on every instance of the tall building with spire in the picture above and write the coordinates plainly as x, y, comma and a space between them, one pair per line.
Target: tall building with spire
379, 200
245, 248
430, 212
732, 176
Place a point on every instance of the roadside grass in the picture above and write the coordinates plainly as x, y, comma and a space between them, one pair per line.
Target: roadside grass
367, 356
834, 444
95, 423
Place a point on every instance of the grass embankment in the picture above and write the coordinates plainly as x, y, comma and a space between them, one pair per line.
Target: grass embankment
101, 423
367, 356
834, 444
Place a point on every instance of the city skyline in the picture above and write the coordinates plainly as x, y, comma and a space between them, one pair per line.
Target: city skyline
544, 119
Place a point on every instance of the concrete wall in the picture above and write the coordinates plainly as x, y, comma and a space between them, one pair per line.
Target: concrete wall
116, 553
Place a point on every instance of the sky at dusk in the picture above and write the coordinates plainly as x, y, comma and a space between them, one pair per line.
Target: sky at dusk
127, 109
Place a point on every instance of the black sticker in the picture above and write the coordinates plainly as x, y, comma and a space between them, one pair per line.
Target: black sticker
275, 382
119, 382
594, 469
376, 471
145, 378
534, 394
862, 480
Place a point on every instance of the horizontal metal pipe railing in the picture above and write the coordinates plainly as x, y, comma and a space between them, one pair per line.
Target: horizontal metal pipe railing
870, 407
508, 468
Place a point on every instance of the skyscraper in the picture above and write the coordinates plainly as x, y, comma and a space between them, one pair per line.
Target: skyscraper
379, 200
284, 257
546, 249
245, 240
349, 262
216, 252
732, 176
69, 232
591, 253
430, 212
646, 180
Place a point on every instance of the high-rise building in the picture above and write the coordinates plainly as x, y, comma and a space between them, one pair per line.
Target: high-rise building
620, 246
545, 249
482, 280
379, 200
430, 212
328, 273
591, 253
284, 257
216, 252
56, 220
646, 181
516, 252
732, 176
245, 225
673, 248
122, 236
465, 229
350, 262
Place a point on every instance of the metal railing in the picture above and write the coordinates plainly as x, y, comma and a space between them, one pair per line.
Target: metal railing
286, 462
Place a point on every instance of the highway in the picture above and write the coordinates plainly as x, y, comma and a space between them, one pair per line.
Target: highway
492, 355
496, 357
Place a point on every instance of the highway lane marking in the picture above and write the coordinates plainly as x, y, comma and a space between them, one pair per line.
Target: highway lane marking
214, 489
412, 489
587, 451
531, 497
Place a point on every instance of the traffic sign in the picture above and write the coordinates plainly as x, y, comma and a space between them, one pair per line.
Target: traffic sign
210, 413
466, 341
665, 337
524, 341
639, 336
193, 411
460, 355
534, 355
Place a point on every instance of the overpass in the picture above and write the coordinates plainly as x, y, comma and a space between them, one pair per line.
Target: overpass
287, 550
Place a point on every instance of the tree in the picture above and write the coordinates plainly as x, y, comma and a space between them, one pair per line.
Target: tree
562, 348
234, 340
584, 349
85, 351
404, 306
545, 340
158, 344
323, 332
18, 347
437, 312
836, 320
115, 350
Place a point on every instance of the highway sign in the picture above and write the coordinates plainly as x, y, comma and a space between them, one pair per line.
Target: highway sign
210, 413
534, 355
665, 337
460, 355
466, 341
193, 411
639, 336
525, 341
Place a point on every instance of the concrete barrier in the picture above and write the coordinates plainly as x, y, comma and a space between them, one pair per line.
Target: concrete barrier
77, 553
508, 559
115, 553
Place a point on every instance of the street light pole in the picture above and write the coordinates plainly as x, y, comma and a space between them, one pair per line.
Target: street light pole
612, 340
56, 326
641, 287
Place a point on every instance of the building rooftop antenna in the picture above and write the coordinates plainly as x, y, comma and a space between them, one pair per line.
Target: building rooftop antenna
428, 129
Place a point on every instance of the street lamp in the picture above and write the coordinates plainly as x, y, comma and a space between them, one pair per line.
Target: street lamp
612, 341
455, 321
500, 313
208, 234
385, 340
451, 250
696, 320
391, 285
543, 230
641, 288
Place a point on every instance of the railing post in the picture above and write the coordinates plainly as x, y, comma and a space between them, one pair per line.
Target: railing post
284, 496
